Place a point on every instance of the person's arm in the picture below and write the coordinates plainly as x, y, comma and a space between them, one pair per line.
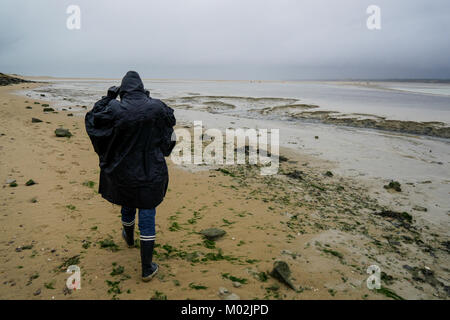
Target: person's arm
100, 107
168, 140
99, 122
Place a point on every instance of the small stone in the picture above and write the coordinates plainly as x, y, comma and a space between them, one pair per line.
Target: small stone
237, 284
394, 185
419, 208
30, 182
60, 132
223, 291
70, 114
36, 120
48, 109
227, 295
37, 292
212, 234
282, 273
9, 181
232, 296
67, 291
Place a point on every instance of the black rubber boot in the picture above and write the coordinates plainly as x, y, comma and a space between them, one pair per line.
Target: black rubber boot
149, 268
128, 235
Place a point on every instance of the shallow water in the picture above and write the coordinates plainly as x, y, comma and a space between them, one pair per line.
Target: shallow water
380, 99
364, 153
422, 88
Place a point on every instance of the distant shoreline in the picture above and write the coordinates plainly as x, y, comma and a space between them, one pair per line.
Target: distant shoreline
406, 80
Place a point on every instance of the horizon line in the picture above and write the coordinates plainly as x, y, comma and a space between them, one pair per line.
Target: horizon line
441, 80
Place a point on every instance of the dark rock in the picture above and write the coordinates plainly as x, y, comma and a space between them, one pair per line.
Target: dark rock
329, 174
408, 268
60, 132
393, 185
387, 279
35, 120
37, 292
212, 233
400, 216
30, 182
48, 109
296, 174
28, 107
282, 273
67, 291
70, 114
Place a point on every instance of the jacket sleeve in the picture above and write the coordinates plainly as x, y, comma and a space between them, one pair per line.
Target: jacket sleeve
169, 121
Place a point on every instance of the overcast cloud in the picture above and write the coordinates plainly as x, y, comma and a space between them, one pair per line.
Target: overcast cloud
227, 39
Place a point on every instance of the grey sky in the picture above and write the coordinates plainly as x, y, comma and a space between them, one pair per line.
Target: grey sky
227, 39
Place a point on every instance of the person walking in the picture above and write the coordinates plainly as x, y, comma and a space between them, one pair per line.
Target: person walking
131, 137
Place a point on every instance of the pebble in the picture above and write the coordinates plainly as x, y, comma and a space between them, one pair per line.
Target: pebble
232, 296
223, 291
37, 292
227, 295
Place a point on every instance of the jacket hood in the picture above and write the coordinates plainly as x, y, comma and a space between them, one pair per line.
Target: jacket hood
131, 83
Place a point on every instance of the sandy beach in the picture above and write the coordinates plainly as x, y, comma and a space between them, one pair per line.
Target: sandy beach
328, 228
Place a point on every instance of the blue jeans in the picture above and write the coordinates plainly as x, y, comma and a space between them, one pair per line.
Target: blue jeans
146, 221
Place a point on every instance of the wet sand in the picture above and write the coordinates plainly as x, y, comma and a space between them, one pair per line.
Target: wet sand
328, 228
